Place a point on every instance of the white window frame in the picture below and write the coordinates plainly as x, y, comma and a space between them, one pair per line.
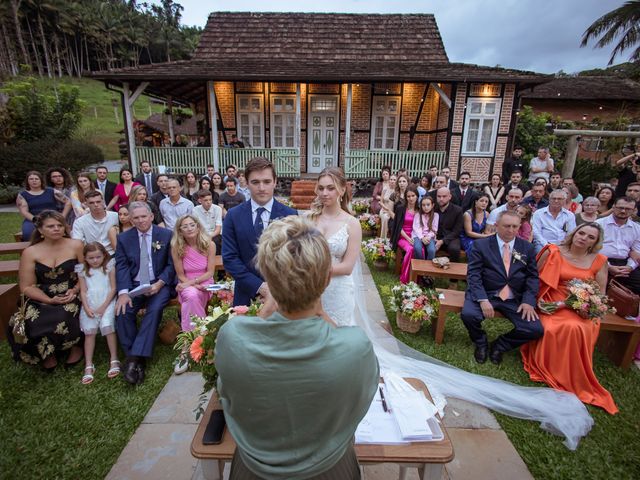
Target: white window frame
250, 139
286, 115
385, 118
482, 116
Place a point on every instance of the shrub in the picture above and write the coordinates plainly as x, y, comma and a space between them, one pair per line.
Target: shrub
8, 193
74, 155
587, 171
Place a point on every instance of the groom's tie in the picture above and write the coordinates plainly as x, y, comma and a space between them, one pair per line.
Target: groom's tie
144, 261
258, 226
505, 293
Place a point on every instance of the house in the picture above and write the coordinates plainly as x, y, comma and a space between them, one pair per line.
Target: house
311, 90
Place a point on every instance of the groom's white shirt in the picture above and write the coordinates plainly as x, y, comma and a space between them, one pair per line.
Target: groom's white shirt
266, 215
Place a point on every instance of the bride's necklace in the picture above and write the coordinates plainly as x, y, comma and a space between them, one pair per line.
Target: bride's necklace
331, 217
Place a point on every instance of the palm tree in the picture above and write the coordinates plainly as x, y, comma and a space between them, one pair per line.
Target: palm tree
623, 22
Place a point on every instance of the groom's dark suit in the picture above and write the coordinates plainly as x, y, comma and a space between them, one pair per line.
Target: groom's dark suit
239, 247
138, 342
486, 276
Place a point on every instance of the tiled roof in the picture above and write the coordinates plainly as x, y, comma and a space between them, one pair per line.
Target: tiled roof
586, 88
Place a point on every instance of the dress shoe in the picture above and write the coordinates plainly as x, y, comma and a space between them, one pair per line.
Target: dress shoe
480, 353
495, 354
131, 372
140, 371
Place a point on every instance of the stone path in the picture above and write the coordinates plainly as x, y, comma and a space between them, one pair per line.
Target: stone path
160, 447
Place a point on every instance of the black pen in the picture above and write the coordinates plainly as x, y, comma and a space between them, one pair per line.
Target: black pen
384, 402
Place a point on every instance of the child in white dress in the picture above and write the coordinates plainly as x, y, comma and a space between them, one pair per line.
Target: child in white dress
97, 278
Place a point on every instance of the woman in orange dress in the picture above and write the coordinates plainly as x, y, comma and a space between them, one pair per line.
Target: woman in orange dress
563, 357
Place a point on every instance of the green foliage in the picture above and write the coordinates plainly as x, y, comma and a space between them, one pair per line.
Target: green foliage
17, 160
624, 70
532, 132
8, 193
35, 112
586, 172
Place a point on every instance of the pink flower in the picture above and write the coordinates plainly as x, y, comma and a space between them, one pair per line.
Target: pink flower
241, 309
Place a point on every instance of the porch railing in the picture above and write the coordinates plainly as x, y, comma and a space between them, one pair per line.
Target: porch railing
285, 160
177, 159
368, 163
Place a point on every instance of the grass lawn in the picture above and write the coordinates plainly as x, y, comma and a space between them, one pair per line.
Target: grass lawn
52, 426
611, 450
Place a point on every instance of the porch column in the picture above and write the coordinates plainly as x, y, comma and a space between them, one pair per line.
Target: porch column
213, 124
347, 126
129, 99
298, 131
172, 134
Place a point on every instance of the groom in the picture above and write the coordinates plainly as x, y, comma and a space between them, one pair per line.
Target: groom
243, 226
503, 276
143, 256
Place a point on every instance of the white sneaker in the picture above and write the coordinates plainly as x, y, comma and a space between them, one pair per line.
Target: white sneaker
182, 365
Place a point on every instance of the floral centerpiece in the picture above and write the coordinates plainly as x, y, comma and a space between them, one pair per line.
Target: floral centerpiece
369, 223
361, 205
413, 306
584, 298
223, 297
379, 251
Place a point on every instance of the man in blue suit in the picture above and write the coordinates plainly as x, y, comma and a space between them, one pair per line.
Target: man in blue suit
143, 256
502, 275
243, 226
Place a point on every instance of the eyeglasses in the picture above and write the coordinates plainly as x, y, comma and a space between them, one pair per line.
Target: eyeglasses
624, 208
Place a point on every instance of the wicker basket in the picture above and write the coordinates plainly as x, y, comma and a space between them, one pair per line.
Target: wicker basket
368, 233
381, 265
406, 325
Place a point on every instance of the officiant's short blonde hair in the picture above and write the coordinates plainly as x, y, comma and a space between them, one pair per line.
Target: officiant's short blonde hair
295, 261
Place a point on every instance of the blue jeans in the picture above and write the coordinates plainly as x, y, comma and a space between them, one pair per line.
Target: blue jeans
419, 249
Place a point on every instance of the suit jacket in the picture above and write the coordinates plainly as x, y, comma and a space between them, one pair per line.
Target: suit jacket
465, 201
451, 184
486, 274
154, 183
239, 247
128, 257
109, 190
157, 197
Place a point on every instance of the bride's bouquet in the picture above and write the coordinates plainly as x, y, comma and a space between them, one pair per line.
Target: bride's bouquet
378, 249
584, 298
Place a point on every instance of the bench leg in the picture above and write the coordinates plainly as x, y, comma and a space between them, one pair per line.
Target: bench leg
619, 346
437, 327
430, 471
212, 469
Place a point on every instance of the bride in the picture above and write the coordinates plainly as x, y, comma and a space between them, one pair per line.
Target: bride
558, 412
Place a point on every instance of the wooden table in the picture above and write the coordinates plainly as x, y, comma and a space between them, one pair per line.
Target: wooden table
9, 267
456, 271
13, 247
428, 457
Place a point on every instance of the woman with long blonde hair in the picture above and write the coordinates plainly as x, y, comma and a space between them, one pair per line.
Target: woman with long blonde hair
330, 212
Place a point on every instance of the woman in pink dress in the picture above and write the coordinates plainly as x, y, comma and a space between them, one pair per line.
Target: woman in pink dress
401, 237
194, 257
123, 189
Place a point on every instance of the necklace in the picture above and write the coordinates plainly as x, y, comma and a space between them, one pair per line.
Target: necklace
333, 217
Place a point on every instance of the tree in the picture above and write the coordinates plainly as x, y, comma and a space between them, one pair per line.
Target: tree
623, 22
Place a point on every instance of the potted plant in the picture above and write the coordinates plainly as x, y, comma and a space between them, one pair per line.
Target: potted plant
379, 252
360, 205
370, 223
413, 306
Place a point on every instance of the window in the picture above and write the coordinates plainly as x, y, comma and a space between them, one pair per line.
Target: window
283, 121
385, 122
250, 110
481, 126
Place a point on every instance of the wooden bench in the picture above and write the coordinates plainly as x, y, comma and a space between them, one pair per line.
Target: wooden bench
9, 268
618, 337
9, 295
13, 247
17, 237
439, 253
456, 271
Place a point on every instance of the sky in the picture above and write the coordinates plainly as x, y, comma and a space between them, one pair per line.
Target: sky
539, 35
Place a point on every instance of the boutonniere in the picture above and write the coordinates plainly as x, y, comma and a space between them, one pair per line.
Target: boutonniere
156, 246
519, 257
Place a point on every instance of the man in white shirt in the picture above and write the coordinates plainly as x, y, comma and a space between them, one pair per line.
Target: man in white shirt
175, 205
96, 226
210, 216
551, 224
622, 243
514, 197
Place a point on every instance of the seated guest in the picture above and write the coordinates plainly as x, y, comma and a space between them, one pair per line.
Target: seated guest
123, 189
140, 193
606, 196
142, 258
503, 276
449, 182
525, 231
450, 225
475, 222
421, 191
216, 183
570, 204
205, 184
537, 198
175, 205
495, 191
386, 206
425, 230
433, 171
162, 192
36, 198
376, 198
62, 182
563, 357
633, 192
243, 188
576, 193
190, 187
402, 234
284, 427
194, 259
97, 226
84, 185
210, 216
231, 197
551, 224
514, 197
555, 182
589, 212
462, 194
438, 182
622, 243
516, 182
51, 323
106, 186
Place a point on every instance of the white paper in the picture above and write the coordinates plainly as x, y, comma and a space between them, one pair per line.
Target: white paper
140, 290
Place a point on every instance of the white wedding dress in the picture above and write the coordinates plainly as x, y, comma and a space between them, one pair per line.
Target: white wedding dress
558, 412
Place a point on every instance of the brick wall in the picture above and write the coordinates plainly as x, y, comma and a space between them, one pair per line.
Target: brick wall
478, 167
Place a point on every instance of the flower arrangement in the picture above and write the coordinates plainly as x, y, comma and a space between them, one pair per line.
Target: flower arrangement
584, 298
376, 249
361, 205
414, 303
369, 221
285, 201
223, 297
